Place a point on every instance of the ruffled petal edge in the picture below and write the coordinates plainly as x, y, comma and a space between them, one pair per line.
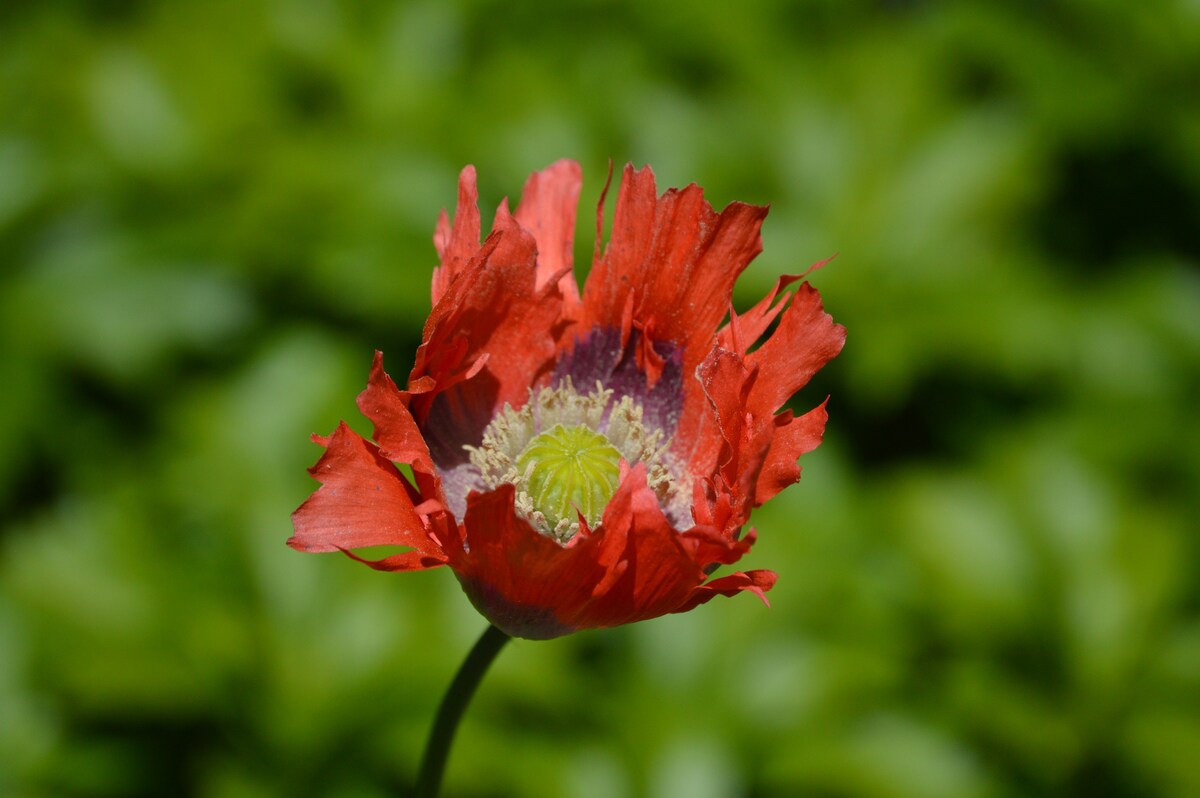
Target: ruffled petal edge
632, 567
757, 582
363, 501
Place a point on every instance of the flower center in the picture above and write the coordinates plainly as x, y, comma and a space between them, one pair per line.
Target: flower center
570, 469
563, 450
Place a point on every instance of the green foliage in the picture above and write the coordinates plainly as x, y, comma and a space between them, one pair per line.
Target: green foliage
212, 213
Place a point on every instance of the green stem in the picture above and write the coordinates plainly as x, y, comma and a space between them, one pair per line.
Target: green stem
454, 703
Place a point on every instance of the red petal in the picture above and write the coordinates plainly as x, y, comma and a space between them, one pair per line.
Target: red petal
653, 571
795, 437
742, 331
633, 567
491, 317
396, 431
745, 329
757, 582
740, 441
547, 210
456, 245
673, 261
519, 580
725, 382
805, 340
487, 302
713, 546
363, 501
676, 257
405, 561
648, 360
710, 507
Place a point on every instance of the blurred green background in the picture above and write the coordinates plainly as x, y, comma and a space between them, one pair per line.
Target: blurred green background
212, 213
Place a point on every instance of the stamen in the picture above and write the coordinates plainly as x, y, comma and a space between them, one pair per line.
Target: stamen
562, 450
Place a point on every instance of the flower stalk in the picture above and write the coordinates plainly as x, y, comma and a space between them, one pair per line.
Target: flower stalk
450, 712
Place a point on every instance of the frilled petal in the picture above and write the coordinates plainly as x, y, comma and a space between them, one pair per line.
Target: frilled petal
456, 244
757, 582
518, 579
710, 546
396, 430
653, 571
363, 501
547, 210
792, 437
633, 567
746, 328
805, 340
724, 446
749, 450
404, 561
670, 264
490, 336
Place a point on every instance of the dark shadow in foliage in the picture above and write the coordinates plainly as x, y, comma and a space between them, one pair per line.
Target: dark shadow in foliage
1113, 201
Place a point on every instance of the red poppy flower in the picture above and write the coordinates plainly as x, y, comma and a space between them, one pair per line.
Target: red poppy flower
581, 462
